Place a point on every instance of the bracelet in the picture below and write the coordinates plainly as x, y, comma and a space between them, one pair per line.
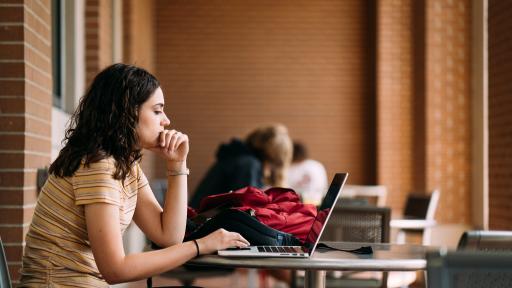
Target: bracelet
178, 173
197, 247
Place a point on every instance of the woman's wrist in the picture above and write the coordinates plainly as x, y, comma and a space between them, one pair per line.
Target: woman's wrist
176, 168
198, 250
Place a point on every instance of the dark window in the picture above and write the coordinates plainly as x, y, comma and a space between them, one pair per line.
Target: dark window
56, 52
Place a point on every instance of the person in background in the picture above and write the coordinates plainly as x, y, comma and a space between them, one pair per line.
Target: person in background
307, 176
96, 188
261, 160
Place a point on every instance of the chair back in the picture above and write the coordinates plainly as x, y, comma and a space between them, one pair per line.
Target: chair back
5, 279
468, 269
421, 206
486, 240
374, 194
358, 224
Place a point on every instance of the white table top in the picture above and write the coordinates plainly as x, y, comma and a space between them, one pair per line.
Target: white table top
386, 257
412, 223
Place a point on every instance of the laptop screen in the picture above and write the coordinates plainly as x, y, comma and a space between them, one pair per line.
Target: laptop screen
324, 211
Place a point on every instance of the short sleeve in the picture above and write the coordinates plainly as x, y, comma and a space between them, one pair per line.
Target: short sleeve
95, 184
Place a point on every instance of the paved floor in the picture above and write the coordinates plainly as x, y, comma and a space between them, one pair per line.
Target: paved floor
233, 280
239, 279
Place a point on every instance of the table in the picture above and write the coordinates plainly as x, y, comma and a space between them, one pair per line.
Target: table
422, 225
412, 224
385, 257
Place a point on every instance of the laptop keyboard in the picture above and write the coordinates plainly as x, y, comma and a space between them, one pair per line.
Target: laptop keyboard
279, 249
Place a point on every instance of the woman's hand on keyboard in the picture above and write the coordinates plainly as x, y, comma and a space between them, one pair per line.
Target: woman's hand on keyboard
219, 240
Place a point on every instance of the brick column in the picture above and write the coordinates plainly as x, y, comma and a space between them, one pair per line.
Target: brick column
395, 117
447, 107
423, 112
98, 37
25, 116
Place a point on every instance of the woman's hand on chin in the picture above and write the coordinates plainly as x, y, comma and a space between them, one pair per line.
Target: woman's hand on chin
172, 145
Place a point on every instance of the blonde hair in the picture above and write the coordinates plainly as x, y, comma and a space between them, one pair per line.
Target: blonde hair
274, 148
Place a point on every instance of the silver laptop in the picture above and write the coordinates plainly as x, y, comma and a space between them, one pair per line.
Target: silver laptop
324, 212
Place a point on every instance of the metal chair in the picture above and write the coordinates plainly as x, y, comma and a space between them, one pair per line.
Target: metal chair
481, 240
478, 262
5, 279
419, 216
422, 206
357, 223
469, 269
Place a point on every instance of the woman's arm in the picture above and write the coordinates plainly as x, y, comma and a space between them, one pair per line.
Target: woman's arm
165, 226
103, 229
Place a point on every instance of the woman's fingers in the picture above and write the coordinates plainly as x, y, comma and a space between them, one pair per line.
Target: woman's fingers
182, 138
169, 139
240, 244
173, 140
222, 239
165, 137
177, 143
242, 240
173, 145
238, 240
161, 138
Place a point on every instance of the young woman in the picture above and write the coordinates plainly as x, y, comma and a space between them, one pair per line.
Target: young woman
96, 188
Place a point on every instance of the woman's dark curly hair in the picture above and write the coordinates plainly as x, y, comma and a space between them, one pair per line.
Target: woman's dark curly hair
104, 124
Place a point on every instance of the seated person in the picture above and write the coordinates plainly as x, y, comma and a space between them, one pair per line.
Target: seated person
96, 188
260, 161
307, 176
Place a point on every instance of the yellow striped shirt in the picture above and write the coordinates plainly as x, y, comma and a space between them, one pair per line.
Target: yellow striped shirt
58, 252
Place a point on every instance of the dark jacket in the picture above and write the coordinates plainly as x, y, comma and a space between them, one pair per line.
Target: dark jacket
236, 167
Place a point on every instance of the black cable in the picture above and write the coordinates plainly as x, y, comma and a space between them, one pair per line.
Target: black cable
360, 250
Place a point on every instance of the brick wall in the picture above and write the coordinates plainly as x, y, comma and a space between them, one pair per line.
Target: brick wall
139, 49
395, 96
139, 33
447, 107
423, 112
228, 66
98, 37
25, 116
500, 115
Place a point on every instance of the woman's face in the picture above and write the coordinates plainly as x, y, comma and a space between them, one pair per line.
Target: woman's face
152, 120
